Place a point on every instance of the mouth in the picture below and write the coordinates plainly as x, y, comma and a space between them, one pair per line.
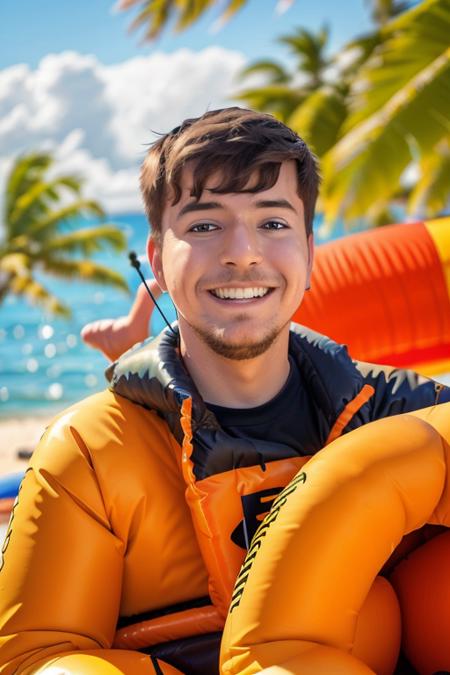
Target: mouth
233, 294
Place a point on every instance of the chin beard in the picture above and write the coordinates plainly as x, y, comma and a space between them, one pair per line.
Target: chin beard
237, 352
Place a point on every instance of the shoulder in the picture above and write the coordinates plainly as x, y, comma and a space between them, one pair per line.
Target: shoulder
102, 429
325, 363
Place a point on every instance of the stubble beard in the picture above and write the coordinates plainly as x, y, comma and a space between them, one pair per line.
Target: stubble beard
243, 351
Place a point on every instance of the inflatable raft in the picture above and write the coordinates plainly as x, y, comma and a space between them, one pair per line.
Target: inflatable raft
308, 600
386, 294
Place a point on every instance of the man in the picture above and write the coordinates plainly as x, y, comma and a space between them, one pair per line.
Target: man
139, 504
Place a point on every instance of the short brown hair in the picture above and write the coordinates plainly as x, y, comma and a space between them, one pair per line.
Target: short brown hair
232, 143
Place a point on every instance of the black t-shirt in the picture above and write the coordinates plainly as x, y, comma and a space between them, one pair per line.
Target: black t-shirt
284, 419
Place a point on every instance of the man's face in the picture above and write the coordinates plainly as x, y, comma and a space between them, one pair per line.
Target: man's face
235, 265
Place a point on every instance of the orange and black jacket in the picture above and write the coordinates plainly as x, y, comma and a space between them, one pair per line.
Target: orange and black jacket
132, 519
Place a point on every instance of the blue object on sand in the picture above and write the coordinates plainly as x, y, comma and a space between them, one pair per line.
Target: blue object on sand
9, 485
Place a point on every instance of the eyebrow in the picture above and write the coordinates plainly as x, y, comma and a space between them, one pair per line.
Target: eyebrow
261, 204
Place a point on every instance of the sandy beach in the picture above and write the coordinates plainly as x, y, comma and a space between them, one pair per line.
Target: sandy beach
19, 434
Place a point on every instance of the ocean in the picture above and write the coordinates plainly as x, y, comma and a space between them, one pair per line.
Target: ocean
44, 364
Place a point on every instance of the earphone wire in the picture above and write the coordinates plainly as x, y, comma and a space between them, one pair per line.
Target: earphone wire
134, 262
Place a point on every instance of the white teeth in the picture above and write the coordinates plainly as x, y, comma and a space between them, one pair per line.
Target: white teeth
240, 293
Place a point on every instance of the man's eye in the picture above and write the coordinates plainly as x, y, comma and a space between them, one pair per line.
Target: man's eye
274, 225
203, 227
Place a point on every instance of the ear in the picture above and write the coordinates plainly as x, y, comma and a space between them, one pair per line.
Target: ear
154, 254
310, 260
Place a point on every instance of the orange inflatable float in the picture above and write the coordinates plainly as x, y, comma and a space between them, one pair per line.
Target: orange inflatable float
311, 567
386, 294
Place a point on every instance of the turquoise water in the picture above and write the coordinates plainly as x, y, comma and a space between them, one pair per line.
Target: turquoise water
44, 365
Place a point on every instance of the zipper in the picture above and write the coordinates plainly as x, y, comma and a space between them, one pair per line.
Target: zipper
437, 389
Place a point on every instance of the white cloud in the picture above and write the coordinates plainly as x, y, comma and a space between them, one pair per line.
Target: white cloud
98, 119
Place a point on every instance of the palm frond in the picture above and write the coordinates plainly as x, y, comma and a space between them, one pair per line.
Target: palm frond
156, 15
34, 203
37, 294
26, 171
318, 119
275, 73
409, 45
431, 194
88, 240
280, 100
371, 158
84, 270
15, 263
45, 226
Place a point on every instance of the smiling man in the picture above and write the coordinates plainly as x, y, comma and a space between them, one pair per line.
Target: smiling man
140, 502
236, 266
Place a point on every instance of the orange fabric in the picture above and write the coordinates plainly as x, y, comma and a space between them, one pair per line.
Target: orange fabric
97, 662
423, 586
186, 425
310, 567
383, 293
174, 626
379, 629
105, 477
218, 502
350, 409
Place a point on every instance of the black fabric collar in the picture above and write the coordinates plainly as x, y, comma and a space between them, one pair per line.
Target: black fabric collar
153, 375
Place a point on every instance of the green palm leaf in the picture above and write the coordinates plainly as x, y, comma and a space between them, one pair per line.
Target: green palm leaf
431, 194
46, 225
410, 44
309, 49
84, 270
37, 294
275, 73
36, 199
33, 238
280, 100
371, 158
319, 119
155, 15
88, 241
26, 171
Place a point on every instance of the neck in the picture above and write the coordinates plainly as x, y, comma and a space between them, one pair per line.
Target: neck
235, 384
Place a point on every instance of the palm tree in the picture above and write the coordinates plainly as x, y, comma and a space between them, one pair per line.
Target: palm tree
369, 117
384, 107
310, 98
398, 116
154, 15
37, 234
284, 91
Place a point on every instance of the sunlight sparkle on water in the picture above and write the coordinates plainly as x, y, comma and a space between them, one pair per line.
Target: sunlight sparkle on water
4, 394
32, 365
55, 391
46, 332
50, 350
27, 349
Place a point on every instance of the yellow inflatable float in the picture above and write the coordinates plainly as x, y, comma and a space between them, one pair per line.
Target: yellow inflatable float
308, 601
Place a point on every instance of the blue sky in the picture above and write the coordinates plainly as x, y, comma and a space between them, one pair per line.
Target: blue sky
30, 29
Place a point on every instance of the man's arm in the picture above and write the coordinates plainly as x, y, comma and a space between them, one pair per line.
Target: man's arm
61, 569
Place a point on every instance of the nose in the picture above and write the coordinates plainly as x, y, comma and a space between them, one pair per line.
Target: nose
241, 247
